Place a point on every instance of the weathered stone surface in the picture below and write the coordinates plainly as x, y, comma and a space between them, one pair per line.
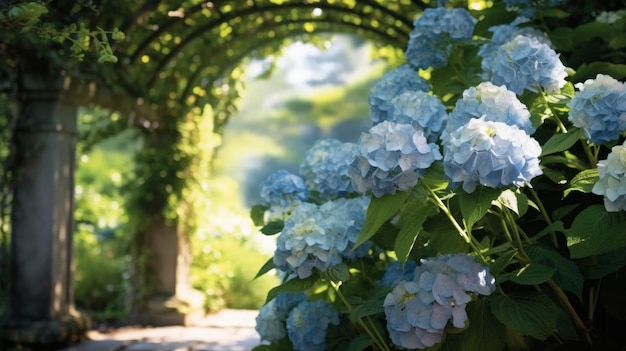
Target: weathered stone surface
162, 346
100, 345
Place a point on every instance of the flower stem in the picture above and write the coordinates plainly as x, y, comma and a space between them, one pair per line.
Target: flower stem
545, 216
379, 342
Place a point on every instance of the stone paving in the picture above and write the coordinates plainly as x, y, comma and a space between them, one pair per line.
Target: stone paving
227, 330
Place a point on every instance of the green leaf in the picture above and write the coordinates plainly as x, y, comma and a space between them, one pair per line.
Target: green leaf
600, 266
561, 142
596, 231
257, 214
583, 181
369, 307
338, 273
534, 315
360, 343
475, 205
292, 286
379, 211
588, 71
502, 262
531, 274
273, 227
268, 266
411, 221
485, 332
617, 43
515, 201
567, 274
552, 12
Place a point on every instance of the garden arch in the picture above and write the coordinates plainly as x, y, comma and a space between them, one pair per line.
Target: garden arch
171, 62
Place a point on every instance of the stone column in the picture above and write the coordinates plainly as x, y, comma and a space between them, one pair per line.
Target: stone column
41, 310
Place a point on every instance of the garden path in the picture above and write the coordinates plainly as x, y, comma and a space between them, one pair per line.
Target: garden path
227, 330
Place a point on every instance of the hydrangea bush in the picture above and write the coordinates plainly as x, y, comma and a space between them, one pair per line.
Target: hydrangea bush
485, 208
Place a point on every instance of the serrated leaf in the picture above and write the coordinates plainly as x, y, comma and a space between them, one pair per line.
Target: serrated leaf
567, 274
379, 211
475, 205
561, 142
596, 231
291, 286
502, 262
534, 315
273, 227
268, 266
531, 274
257, 214
485, 332
338, 273
411, 221
552, 12
583, 181
587, 71
360, 343
600, 266
516, 202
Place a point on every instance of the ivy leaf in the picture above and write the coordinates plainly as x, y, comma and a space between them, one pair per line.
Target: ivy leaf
596, 231
379, 211
567, 274
534, 315
531, 274
411, 221
273, 227
583, 181
475, 205
561, 142
292, 286
268, 266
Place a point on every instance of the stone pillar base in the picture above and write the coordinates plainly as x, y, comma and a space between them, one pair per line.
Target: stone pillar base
181, 309
43, 335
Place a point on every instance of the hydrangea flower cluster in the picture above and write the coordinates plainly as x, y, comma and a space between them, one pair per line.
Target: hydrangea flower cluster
320, 237
493, 154
491, 103
397, 272
282, 191
527, 8
433, 33
599, 108
391, 84
270, 322
419, 309
612, 181
421, 110
325, 168
501, 35
526, 63
308, 323
391, 157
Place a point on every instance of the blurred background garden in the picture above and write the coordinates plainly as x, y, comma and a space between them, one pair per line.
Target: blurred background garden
287, 101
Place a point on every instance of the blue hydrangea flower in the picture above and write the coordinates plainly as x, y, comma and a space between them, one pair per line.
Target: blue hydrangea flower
272, 317
396, 272
422, 111
612, 181
308, 323
393, 83
345, 219
282, 191
320, 237
325, 168
525, 63
599, 108
492, 154
391, 157
527, 8
418, 309
492, 103
503, 34
433, 34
